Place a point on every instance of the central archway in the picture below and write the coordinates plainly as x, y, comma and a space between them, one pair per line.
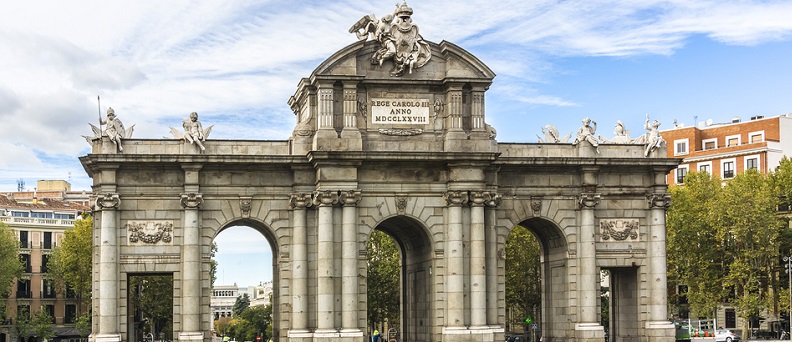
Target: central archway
269, 236
416, 276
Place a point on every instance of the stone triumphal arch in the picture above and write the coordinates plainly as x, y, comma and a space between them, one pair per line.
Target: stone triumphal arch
390, 134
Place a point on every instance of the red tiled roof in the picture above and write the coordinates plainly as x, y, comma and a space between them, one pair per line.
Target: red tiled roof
42, 204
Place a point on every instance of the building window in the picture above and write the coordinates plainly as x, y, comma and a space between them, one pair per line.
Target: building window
752, 162
23, 311
728, 168
23, 239
681, 172
71, 314
25, 259
755, 137
23, 288
51, 312
64, 216
680, 147
46, 215
731, 319
705, 167
47, 240
733, 140
48, 289
20, 214
710, 144
44, 262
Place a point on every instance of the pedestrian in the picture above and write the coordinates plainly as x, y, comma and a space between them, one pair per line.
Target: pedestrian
376, 335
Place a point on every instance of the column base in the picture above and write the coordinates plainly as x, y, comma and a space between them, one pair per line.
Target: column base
472, 334
107, 338
344, 335
660, 331
589, 332
191, 336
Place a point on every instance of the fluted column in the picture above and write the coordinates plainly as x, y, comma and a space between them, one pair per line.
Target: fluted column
455, 272
478, 269
349, 269
455, 109
325, 107
108, 204
299, 286
588, 279
191, 268
350, 106
325, 200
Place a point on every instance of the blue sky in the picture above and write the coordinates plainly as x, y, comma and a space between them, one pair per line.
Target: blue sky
236, 62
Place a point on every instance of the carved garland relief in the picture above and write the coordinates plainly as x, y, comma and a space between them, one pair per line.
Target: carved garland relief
620, 229
150, 232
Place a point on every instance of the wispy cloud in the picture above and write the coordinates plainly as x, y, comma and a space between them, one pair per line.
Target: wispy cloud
237, 62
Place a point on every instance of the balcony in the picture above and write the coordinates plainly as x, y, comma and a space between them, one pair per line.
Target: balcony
31, 221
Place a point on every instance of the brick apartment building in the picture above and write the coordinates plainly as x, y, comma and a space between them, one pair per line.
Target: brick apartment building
727, 149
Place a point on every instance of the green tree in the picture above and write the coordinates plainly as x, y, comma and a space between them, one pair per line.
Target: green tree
241, 304
749, 230
23, 327
222, 325
523, 276
71, 262
384, 269
11, 266
43, 326
153, 296
83, 324
259, 319
695, 258
213, 264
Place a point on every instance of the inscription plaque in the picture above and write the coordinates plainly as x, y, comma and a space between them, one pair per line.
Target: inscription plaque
400, 111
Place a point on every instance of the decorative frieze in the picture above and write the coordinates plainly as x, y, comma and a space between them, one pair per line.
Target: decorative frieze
662, 201
191, 200
107, 201
620, 229
588, 200
150, 232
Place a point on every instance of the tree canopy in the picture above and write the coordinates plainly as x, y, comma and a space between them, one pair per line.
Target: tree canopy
725, 240
523, 275
10, 265
71, 262
384, 274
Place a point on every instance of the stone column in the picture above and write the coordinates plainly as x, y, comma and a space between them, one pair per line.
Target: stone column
659, 328
477, 110
454, 109
478, 269
491, 237
191, 269
299, 286
325, 107
587, 267
455, 272
349, 269
108, 204
325, 306
350, 106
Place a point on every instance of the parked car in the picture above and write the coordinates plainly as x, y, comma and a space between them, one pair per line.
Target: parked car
726, 335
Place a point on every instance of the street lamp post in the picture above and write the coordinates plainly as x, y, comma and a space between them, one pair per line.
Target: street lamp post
788, 270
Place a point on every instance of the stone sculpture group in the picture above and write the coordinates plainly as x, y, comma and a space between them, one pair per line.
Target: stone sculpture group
586, 132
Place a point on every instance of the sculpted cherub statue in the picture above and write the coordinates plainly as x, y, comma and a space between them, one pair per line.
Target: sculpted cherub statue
194, 133
114, 131
586, 133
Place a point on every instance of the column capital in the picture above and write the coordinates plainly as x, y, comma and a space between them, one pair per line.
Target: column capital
588, 200
323, 198
349, 197
191, 200
659, 200
456, 197
107, 201
300, 200
484, 198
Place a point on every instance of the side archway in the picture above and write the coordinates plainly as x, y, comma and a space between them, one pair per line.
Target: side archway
417, 294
